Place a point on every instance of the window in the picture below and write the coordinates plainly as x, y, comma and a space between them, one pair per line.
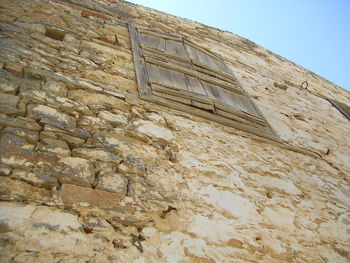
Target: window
173, 71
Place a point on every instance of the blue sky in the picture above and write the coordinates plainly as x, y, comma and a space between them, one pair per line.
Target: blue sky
314, 34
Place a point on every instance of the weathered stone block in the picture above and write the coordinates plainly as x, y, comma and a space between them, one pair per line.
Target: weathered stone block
11, 111
54, 142
113, 182
50, 115
159, 134
9, 99
28, 135
19, 122
97, 154
43, 228
117, 120
55, 88
72, 194
10, 140
35, 179
94, 123
58, 151
132, 165
16, 190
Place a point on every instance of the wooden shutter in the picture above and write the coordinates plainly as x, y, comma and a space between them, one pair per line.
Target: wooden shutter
174, 71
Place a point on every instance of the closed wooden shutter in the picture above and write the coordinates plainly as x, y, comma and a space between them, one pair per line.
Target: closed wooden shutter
170, 68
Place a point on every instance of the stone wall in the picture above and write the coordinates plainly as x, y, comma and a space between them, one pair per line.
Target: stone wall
91, 173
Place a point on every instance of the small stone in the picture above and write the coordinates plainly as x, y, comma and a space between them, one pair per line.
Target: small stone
117, 120
55, 88
9, 99
51, 116
113, 182
8, 87
97, 154
35, 179
28, 135
11, 140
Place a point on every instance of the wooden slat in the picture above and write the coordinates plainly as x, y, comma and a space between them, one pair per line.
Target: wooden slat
194, 73
194, 85
201, 105
140, 67
189, 44
172, 78
248, 105
176, 48
164, 54
182, 93
160, 35
228, 108
172, 97
153, 74
220, 73
154, 55
235, 117
155, 42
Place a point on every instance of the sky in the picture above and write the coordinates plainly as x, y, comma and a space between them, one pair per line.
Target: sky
312, 33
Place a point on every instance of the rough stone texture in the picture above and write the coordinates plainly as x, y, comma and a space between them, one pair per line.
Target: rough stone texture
91, 173
113, 182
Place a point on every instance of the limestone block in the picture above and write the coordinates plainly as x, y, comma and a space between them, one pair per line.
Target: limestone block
71, 140
28, 135
54, 117
113, 182
55, 88
98, 154
43, 228
94, 123
72, 194
19, 123
132, 165
54, 142
117, 120
11, 111
16, 190
58, 151
35, 179
159, 134
8, 99
9, 140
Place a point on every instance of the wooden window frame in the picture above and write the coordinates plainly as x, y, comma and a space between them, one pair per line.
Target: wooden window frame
194, 103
